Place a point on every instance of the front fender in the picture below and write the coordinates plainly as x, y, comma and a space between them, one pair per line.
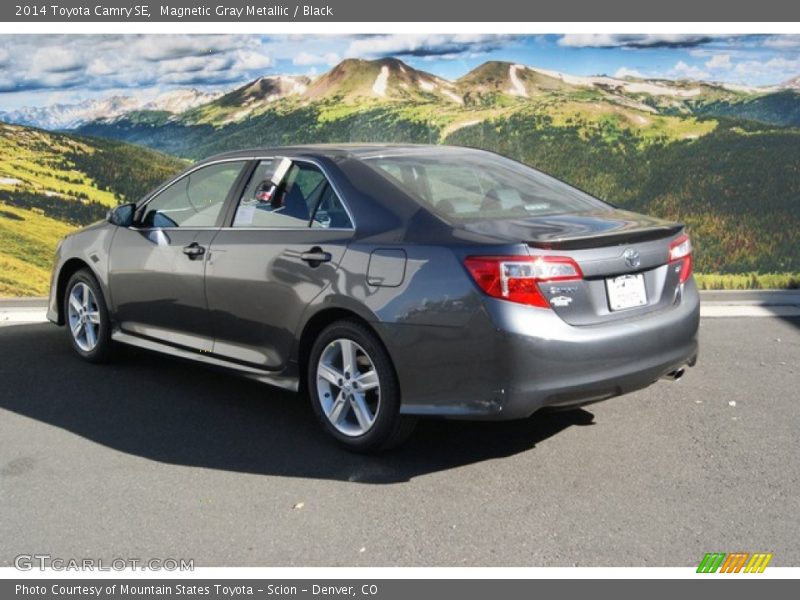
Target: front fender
88, 248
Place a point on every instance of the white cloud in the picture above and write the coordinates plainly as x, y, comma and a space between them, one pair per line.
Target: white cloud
783, 41
779, 68
101, 62
628, 40
685, 71
424, 45
249, 60
623, 72
719, 62
195, 64
100, 67
307, 58
157, 48
57, 60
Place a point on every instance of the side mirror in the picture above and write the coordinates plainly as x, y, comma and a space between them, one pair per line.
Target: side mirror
122, 215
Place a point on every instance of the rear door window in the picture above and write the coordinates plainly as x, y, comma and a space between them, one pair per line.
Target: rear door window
330, 212
302, 198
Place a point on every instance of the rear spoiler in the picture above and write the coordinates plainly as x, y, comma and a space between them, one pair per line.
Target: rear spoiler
648, 234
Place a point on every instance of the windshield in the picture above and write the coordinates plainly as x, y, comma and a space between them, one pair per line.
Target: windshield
465, 185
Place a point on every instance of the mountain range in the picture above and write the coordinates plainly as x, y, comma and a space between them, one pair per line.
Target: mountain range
391, 79
723, 159
71, 116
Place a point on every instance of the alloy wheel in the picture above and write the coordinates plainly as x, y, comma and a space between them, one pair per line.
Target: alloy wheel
83, 316
348, 387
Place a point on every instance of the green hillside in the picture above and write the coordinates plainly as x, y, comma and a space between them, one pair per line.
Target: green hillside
50, 184
780, 108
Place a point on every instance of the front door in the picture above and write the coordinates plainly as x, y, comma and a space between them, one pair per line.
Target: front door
157, 267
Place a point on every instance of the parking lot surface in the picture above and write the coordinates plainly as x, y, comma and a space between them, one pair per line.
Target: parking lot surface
151, 457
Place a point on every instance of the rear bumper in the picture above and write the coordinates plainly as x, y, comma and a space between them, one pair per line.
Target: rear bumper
613, 376
528, 359
560, 365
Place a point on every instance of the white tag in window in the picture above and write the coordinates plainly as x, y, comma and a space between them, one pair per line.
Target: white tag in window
280, 171
244, 216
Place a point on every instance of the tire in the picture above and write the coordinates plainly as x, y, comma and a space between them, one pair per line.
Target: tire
359, 407
86, 318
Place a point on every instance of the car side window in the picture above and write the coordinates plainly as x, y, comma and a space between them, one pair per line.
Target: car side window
289, 204
194, 200
330, 212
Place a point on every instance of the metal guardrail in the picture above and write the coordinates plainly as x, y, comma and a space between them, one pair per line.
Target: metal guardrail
752, 297
6, 303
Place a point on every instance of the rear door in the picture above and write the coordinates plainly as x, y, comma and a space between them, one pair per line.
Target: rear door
157, 267
281, 248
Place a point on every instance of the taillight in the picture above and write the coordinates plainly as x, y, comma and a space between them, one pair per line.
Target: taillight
517, 278
680, 250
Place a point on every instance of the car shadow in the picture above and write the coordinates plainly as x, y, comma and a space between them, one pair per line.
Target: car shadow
178, 412
790, 319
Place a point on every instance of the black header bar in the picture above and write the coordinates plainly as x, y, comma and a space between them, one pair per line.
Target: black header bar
710, 11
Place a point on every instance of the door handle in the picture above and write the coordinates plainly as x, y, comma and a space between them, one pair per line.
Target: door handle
316, 256
194, 250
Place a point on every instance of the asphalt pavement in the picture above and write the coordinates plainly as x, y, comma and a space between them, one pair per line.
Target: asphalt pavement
151, 457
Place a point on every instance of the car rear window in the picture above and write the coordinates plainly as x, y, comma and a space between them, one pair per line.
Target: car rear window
466, 185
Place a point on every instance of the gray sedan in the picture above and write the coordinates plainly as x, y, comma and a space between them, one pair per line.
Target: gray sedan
387, 283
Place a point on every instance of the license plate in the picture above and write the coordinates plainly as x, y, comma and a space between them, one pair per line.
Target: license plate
626, 291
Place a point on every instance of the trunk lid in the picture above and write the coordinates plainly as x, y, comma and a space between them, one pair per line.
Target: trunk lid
590, 229
622, 255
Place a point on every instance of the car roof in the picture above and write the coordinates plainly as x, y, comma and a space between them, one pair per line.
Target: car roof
334, 151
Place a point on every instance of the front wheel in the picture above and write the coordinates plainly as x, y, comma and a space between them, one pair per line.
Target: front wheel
354, 390
86, 317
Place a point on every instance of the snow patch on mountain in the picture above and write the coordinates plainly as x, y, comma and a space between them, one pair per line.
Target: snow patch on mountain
426, 85
791, 84
379, 87
453, 96
298, 87
517, 87
631, 86
178, 101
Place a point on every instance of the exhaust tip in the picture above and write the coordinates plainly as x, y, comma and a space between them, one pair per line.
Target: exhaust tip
675, 375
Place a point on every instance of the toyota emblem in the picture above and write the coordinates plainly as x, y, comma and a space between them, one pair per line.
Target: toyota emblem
632, 258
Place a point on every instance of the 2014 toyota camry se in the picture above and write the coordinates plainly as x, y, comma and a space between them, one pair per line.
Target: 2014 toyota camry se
388, 283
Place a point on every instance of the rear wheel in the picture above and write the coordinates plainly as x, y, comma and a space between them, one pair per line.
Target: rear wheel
354, 390
86, 317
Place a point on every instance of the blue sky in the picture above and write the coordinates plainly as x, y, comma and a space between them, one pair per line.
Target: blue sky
38, 70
